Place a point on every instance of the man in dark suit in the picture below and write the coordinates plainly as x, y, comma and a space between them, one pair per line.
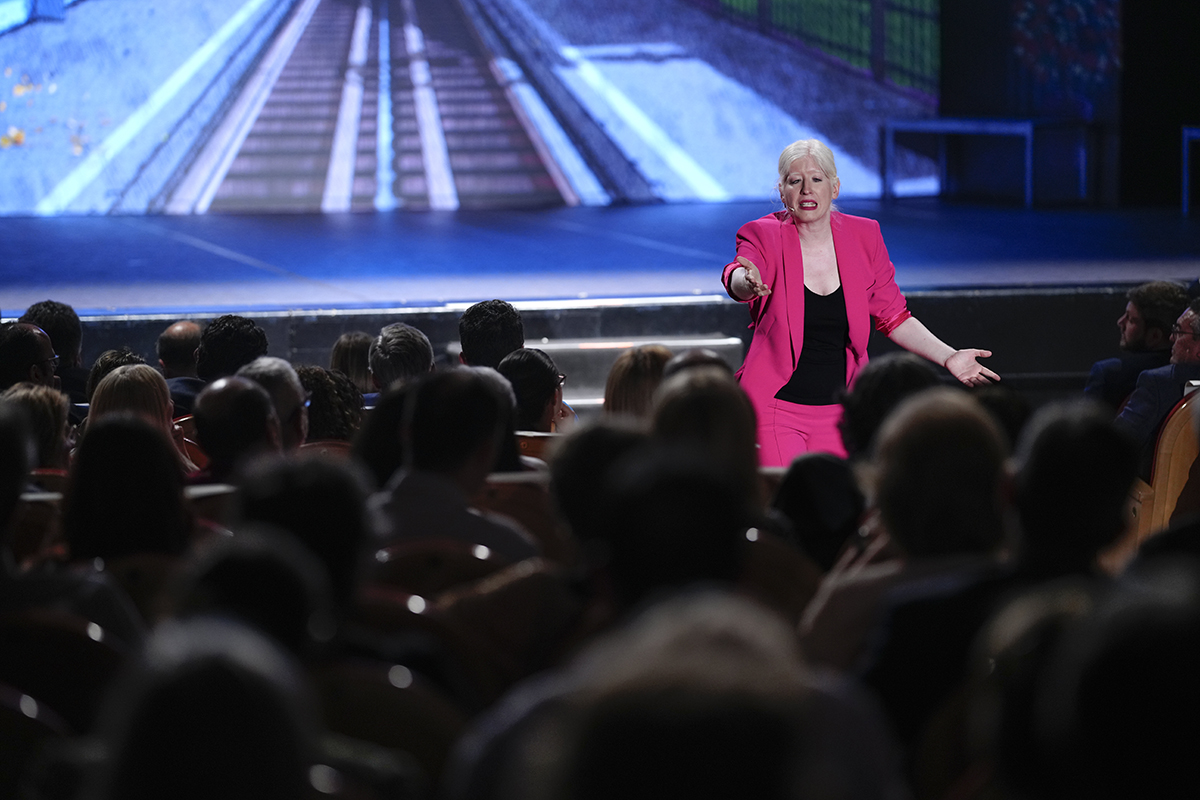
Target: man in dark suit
1158, 390
1145, 328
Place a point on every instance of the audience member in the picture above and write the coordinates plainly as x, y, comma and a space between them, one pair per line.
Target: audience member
1074, 472
1007, 406
509, 458
820, 497
16, 459
878, 388
227, 344
1145, 341
399, 353
336, 408
537, 384
377, 446
288, 396
125, 494
46, 411
704, 407
1158, 390
453, 423
235, 421
62, 325
633, 379
26, 356
350, 356
177, 348
938, 484
140, 390
210, 709
489, 331
106, 363
320, 502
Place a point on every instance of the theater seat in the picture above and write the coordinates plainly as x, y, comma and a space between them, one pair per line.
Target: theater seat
525, 497
25, 726
536, 443
431, 567
334, 448
1174, 452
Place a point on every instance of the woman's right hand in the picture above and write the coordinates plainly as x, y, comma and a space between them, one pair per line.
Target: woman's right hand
752, 278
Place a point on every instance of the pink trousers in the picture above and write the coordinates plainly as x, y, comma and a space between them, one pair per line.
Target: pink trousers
785, 430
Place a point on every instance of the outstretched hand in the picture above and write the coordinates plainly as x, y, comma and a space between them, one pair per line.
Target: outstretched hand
753, 278
963, 365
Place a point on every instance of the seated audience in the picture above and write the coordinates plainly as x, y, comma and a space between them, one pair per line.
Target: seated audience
26, 356
210, 709
1074, 473
176, 348
400, 353
536, 381
235, 421
227, 344
878, 388
46, 410
1158, 390
61, 324
106, 363
489, 331
140, 390
125, 494
633, 379
288, 396
350, 356
704, 407
1145, 341
819, 496
336, 408
939, 484
451, 438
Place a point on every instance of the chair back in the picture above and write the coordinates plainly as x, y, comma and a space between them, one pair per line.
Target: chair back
49, 480
36, 525
60, 659
536, 443
1174, 453
187, 423
525, 498
25, 725
334, 448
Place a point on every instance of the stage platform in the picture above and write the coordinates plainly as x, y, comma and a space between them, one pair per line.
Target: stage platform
1042, 288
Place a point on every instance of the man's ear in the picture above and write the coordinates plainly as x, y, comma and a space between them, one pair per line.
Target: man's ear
1157, 339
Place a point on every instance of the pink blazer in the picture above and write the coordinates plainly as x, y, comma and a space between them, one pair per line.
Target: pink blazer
868, 282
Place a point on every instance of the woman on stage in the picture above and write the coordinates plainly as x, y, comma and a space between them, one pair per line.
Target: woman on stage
815, 279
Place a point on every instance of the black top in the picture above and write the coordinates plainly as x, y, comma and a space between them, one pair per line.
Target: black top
821, 369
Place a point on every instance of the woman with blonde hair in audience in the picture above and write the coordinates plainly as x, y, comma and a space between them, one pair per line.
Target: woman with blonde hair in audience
47, 410
140, 390
633, 379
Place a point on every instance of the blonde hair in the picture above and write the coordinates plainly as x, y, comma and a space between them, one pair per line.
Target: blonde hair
633, 379
133, 389
47, 409
807, 147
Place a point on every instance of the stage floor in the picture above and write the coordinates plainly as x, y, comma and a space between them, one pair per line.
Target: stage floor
201, 265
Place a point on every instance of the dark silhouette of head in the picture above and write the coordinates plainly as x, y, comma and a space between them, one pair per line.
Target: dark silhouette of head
288, 396
633, 379
399, 353
26, 355
819, 495
450, 416
108, 361
377, 446
337, 405
319, 501
489, 331
235, 420
227, 344
580, 468
16, 459
211, 709
46, 410
1074, 472
939, 475
350, 356
62, 325
695, 357
176, 348
534, 379
125, 494
878, 388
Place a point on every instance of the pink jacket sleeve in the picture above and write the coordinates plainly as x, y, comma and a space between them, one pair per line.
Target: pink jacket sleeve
887, 305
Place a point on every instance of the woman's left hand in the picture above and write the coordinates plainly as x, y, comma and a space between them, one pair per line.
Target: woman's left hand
963, 365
